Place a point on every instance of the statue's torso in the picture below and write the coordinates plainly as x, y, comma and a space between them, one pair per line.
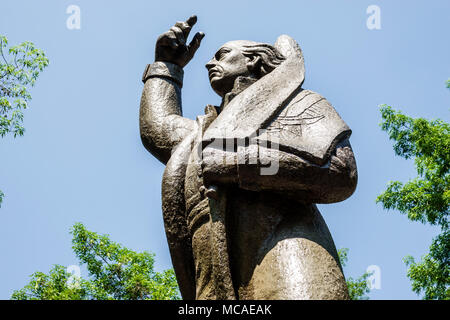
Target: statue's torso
279, 248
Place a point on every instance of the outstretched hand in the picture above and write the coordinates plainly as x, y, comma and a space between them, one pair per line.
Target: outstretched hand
171, 45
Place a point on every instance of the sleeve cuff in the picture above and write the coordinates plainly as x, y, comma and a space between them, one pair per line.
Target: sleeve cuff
166, 70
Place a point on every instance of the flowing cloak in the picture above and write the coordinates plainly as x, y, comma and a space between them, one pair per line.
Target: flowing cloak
298, 121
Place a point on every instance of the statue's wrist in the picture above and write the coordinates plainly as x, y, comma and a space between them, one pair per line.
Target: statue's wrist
166, 70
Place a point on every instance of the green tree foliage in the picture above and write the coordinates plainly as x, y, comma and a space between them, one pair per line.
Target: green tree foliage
424, 198
115, 273
357, 288
20, 66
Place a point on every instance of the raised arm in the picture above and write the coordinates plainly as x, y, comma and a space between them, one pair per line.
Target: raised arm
162, 126
161, 123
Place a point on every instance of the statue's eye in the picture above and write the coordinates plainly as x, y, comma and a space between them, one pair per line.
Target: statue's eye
221, 53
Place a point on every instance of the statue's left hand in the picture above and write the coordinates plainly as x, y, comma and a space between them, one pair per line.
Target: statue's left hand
171, 45
219, 167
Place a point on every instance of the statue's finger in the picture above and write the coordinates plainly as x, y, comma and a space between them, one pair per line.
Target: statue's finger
192, 20
195, 43
184, 27
179, 35
168, 39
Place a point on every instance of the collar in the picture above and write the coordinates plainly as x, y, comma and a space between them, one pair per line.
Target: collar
240, 84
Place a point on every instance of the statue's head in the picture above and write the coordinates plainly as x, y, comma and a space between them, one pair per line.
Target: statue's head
241, 58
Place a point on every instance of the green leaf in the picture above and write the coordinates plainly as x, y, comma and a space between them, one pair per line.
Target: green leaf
114, 273
357, 288
20, 66
425, 198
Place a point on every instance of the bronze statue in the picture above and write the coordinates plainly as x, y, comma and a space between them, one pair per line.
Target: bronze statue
241, 182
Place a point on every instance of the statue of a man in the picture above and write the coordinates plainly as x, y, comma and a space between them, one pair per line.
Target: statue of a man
241, 221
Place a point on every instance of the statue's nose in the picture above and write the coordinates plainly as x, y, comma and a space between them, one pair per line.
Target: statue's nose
210, 64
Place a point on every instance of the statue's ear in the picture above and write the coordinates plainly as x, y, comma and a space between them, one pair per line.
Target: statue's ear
254, 64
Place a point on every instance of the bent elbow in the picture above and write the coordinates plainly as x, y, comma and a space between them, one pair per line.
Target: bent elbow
341, 185
155, 147
349, 186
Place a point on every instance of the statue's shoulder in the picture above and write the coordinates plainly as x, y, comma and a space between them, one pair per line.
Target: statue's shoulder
307, 104
309, 126
304, 109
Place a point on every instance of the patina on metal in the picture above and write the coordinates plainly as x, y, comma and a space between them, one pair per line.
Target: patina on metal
241, 183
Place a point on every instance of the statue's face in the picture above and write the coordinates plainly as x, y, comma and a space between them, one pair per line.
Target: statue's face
227, 64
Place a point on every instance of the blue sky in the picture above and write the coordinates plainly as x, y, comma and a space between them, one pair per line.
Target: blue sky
81, 159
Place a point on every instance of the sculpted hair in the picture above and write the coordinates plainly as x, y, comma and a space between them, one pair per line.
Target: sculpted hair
270, 57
